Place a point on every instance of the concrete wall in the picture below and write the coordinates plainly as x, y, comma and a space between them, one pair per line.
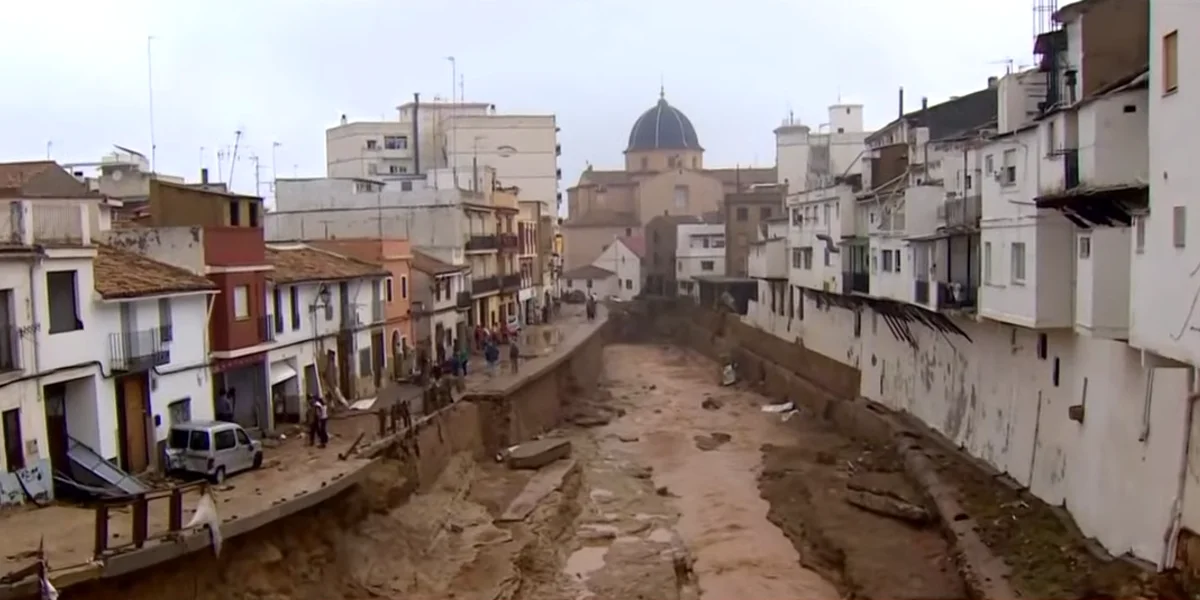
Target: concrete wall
1115, 466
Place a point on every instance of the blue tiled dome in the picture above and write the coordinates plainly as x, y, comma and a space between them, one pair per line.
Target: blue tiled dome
663, 127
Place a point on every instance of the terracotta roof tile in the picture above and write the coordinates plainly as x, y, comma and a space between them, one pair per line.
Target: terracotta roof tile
17, 174
431, 266
300, 264
124, 274
635, 243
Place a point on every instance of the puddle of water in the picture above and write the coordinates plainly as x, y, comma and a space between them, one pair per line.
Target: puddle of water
585, 561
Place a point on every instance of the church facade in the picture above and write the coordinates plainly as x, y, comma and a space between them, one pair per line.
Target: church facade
664, 174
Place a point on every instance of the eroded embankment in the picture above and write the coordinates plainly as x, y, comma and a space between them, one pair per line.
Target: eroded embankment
1004, 537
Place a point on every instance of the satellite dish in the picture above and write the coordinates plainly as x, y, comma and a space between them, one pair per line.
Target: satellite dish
506, 151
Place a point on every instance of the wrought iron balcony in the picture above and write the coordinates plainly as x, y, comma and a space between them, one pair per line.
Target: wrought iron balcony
855, 282
132, 351
508, 241
484, 285
961, 211
463, 300
482, 242
510, 282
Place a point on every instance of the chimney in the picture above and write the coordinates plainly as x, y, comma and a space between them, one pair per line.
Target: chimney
924, 103
901, 101
204, 176
993, 81
416, 134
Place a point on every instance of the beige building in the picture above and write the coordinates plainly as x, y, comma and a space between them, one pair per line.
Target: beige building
465, 136
664, 174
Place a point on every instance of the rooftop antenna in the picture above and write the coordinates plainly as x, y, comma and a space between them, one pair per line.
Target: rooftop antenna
150, 92
237, 140
1008, 65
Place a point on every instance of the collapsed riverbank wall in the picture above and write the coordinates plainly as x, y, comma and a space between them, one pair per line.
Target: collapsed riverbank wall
304, 556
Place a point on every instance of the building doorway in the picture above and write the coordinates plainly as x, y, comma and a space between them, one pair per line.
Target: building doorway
133, 415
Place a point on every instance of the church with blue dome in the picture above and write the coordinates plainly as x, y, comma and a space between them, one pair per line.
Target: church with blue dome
663, 175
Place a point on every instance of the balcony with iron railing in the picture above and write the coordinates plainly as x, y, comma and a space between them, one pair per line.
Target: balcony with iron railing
854, 282
508, 241
481, 243
462, 300
142, 350
510, 282
485, 285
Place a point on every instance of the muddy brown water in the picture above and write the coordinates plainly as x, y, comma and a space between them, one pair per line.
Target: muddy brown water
723, 521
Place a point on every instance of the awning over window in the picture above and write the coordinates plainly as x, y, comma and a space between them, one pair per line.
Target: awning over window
280, 372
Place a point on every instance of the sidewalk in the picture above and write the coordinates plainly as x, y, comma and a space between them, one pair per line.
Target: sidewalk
574, 328
292, 469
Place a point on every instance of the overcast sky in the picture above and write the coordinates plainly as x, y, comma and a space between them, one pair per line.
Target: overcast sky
74, 73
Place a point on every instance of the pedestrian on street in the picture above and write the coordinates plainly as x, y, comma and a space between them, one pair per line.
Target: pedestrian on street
491, 354
319, 425
464, 357
514, 355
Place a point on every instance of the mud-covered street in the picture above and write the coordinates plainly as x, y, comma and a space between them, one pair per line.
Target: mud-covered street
676, 488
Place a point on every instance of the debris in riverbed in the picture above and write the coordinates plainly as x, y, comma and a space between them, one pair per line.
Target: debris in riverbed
779, 408
887, 505
663, 491
710, 404
538, 453
728, 375
712, 441
627, 437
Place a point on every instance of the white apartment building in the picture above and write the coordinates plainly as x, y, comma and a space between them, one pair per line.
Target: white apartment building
314, 295
441, 298
808, 159
699, 251
1040, 383
463, 136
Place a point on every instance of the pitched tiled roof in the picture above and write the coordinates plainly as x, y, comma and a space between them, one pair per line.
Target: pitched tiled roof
432, 266
17, 174
635, 243
124, 274
588, 272
300, 263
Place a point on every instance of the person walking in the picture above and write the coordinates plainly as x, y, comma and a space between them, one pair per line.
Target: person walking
319, 424
491, 354
514, 355
464, 357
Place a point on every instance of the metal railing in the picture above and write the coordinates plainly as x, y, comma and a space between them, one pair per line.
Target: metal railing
463, 300
138, 350
512, 281
481, 242
508, 241
484, 285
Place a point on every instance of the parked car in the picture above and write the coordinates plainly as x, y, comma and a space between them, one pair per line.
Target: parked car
214, 449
